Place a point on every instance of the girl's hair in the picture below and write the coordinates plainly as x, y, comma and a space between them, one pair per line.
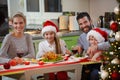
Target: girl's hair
58, 46
19, 14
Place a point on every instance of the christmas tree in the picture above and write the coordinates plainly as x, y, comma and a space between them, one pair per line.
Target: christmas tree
110, 69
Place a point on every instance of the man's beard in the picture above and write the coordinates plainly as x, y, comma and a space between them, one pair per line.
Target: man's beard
87, 27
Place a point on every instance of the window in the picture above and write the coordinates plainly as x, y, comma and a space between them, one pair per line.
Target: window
32, 5
53, 6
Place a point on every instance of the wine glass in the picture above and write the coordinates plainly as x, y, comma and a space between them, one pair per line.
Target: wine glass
74, 50
20, 53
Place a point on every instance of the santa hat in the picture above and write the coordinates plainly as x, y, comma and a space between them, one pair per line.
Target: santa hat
49, 26
99, 34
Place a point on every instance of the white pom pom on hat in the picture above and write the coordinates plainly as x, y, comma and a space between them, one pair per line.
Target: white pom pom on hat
49, 26
99, 34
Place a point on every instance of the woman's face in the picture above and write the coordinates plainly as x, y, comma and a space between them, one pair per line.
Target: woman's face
49, 36
18, 24
92, 40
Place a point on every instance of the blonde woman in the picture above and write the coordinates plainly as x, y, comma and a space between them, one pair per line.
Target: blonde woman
17, 42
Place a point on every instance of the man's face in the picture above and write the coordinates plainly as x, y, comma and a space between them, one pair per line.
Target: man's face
84, 24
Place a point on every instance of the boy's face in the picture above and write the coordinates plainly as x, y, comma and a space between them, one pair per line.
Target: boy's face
92, 40
49, 36
84, 24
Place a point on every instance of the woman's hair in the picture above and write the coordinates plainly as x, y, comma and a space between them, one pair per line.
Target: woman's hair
58, 46
19, 14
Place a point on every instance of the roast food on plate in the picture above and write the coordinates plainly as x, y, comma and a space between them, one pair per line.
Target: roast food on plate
51, 57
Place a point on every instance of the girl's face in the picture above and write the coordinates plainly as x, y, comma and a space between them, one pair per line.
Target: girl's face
18, 24
49, 36
92, 40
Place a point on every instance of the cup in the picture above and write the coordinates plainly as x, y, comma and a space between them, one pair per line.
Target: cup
20, 53
74, 50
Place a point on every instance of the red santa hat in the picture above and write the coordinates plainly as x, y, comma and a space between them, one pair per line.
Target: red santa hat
99, 34
49, 26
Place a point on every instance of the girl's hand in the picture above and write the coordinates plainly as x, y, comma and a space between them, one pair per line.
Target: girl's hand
68, 52
92, 49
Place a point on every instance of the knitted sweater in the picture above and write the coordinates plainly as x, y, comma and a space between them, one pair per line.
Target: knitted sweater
12, 45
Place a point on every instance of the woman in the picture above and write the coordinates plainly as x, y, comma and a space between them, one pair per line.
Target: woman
17, 41
52, 44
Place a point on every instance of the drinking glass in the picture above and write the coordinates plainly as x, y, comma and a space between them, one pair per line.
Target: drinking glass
74, 50
20, 53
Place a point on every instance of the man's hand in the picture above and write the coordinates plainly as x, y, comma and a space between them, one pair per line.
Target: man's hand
79, 49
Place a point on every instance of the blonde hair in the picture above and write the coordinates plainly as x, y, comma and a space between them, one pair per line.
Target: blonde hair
19, 14
58, 46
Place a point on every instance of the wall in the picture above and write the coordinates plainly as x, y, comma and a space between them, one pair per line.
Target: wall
99, 7
76, 5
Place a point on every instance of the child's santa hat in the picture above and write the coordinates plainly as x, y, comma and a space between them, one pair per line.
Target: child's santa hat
99, 34
49, 26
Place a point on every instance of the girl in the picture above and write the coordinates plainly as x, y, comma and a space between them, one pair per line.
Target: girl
94, 37
52, 44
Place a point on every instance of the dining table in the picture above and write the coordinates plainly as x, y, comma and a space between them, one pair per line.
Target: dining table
73, 63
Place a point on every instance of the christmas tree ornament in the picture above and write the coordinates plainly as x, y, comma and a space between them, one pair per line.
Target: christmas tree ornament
111, 53
115, 61
117, 36
114, 26
115, 76
112, 34
116, 10
104, 74
118, 47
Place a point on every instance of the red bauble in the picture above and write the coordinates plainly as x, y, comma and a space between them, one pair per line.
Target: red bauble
114, 26
115, 76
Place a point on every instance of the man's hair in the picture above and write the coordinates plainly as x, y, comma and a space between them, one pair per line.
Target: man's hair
83, 14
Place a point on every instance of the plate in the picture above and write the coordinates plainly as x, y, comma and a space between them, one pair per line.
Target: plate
31, 60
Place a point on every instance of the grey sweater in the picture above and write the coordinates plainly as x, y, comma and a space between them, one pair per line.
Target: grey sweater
12, 45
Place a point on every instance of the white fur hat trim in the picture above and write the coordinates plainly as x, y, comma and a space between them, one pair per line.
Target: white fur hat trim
97, 35
48, 28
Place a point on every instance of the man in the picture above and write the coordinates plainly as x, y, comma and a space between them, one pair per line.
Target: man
85, 24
